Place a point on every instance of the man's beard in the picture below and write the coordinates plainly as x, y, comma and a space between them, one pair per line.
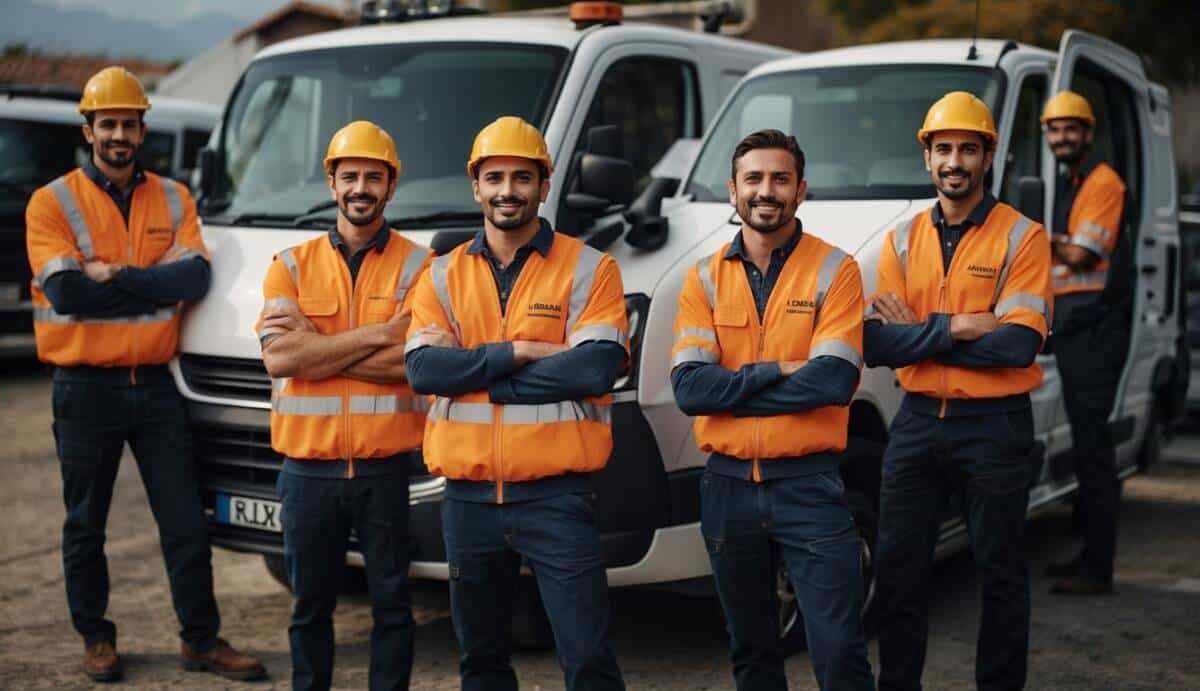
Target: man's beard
972, 184
123, 160
502, 222
767, 227
364, 219
1073, 156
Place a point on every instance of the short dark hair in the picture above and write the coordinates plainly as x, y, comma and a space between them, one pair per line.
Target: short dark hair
988, 142
768, 139
543, 172
334, 164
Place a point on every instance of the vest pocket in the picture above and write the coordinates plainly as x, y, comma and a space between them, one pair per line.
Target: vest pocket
318, 307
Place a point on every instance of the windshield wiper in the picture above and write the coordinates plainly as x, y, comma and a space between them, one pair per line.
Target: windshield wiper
253, 219
438, 219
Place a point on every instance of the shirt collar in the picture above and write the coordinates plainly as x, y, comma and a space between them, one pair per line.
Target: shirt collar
95, 175
541, 241
737, 249
378, 241
978, 215
1090, 163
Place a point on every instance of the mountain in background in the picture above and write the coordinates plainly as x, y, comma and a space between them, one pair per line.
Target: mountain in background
49, 28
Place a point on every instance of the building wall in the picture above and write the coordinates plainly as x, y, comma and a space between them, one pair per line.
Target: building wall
211, 76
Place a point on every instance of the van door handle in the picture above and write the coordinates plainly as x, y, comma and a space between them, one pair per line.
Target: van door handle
1149, 270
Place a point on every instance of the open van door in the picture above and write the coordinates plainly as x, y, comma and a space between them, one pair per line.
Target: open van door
1132, 131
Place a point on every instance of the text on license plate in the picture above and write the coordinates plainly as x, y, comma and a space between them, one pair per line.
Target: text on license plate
251, 513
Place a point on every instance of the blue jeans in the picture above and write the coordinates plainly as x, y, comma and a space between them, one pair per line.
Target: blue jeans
558, 538
96, 411
318, 514
987, 458
806, 522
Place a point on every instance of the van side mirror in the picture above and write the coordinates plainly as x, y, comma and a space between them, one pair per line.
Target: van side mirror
1031, 198
604, 181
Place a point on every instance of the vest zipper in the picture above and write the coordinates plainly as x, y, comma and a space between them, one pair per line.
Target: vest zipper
755, 470
498, 422
942, 368
353, 309
130, 254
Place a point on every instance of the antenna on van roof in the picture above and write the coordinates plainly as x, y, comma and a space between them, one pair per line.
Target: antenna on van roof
973, 54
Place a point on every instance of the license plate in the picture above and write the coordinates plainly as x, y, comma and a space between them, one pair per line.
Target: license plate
248, 512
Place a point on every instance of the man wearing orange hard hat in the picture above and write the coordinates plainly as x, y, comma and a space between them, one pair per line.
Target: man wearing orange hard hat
1093, 298
116, 252
520, 335
335, 313
961, 309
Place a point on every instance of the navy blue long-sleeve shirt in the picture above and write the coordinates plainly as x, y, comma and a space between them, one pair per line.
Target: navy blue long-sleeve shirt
758, 389
166, 284
901, 345
72, 292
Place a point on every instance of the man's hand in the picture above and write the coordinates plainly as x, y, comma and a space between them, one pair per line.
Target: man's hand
525, 352
970, 327
285, 320
891, 310
436, 336
789, 367
101, 272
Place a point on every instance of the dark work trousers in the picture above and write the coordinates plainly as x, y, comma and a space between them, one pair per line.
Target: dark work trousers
987, 457
318, 515
1090, 360
806, 522
558, 538
96, 412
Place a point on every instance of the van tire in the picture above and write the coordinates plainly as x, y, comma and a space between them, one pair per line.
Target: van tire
793, 638
530, 625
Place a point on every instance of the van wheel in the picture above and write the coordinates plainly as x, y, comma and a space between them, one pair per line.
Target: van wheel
1150, 452
530, 625
354, 578
791, 622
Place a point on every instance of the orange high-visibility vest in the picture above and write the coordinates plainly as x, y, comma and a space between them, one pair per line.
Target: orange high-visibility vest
572, 295
339, 418
1093, 224
72, 221
814, 310
1002, 266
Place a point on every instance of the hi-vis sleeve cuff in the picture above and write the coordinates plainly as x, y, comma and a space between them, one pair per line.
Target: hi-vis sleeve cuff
838, 349
1028, 301
695, 344
57, 265
598, 332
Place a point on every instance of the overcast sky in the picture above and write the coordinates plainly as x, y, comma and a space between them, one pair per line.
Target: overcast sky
176, 11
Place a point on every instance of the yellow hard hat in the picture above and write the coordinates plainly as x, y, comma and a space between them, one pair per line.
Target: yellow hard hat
1068, 104
362, 139
509, 136
113, 88
958, 110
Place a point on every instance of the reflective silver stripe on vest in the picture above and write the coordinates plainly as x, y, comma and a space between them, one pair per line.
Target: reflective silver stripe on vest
441, 286
408, 272
289, 261
696, 332
49, 316
70, 209
828, 272
596, 332
307, 405
704, 268
188, 254
278, 384
695, 355
1015, 235
1096, 229
280, 303
835, 348
444, 409
900, 240
174, 204
1027, 300
562, 411
57, 265
1093, 246
387, 404
582, 282
1088, 278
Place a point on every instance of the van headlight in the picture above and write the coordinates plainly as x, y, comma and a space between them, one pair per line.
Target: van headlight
637, 307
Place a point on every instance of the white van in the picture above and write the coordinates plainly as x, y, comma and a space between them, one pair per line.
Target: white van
612, 99
40, 139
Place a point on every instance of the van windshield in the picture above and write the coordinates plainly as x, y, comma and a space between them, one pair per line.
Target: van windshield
432, 99
856, 125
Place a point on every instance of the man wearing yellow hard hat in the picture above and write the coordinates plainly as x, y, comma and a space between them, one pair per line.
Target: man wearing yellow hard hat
961, 310
116, 252
1093, 298
334, 318
520, 335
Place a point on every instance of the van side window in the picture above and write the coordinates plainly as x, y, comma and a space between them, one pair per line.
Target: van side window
193, 141
158, 152
654, 101
1024, 157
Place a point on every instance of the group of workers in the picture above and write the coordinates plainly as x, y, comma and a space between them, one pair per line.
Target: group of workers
495, 361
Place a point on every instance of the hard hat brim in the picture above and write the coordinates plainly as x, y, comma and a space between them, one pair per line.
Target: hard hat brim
115, 106
924, 134
474, 163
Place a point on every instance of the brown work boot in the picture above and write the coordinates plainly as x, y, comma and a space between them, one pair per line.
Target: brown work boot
223, 660
101, 662
1078, 585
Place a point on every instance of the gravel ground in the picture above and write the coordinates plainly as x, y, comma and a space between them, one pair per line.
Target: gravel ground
1146, 637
